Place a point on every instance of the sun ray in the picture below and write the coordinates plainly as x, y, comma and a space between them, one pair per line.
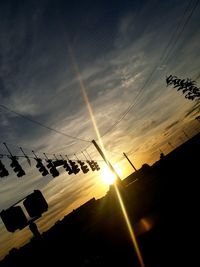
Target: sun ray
85, 97
130, 228
89, 107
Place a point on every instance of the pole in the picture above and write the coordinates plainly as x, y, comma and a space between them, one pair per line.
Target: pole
106, 161
129, 161
34, 229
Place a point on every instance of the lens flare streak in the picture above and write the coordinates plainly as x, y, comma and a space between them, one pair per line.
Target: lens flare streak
84, 94
89, 107
130, 228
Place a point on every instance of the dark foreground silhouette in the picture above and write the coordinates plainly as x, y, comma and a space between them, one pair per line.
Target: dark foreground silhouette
162, 202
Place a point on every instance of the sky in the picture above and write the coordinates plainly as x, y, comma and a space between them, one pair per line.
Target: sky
120, 53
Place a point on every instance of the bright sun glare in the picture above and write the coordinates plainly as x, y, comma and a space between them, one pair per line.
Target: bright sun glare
108, 176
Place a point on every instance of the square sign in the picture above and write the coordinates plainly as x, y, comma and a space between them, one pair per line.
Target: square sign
35, 204
14, 218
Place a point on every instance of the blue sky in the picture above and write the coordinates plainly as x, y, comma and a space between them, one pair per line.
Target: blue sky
117, 46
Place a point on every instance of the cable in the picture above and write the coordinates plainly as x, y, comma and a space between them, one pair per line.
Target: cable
43, 158
183, 28
31, 149
164, 56
78, 152
130, 107
43, 125
162, 59
114, 153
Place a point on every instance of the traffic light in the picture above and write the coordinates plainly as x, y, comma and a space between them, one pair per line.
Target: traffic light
35, 204
91, 164
3, 171
96, 165
67, 167
58, 162
14, 218
74, 166
52, 168
83, 166
17, 167
41, 167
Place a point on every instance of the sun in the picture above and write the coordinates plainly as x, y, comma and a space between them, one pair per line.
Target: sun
108, 176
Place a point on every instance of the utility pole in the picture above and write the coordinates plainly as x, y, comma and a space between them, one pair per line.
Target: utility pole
129, 161
119, 181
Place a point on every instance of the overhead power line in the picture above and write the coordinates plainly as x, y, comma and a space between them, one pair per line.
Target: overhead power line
130, 107
43, 125
164, 57
180, 29
3, 155
175, 33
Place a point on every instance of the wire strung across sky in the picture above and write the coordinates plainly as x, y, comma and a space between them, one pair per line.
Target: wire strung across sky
48, 127
72, 166
164, 58
15, 154
180, 28
43, 125
57, 156
43, 158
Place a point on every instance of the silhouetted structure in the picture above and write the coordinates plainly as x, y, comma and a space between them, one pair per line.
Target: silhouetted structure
130, 161
34, 229
162, 203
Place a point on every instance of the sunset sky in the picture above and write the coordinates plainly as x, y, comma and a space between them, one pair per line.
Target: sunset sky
119, 52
